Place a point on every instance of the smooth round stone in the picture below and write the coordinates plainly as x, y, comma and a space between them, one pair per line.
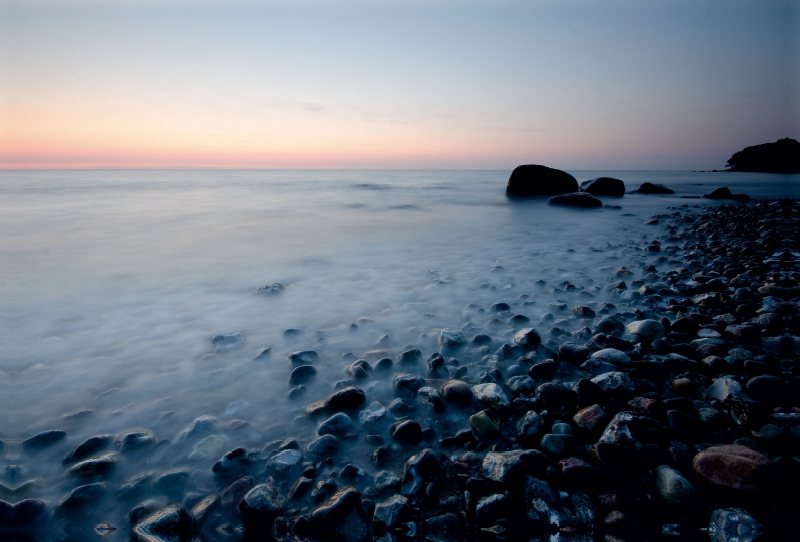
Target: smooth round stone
674, 488
592, 419
528, 338
708, 334
731, 467
649, 330
490, 395
408, 431
543, 371
485, 424
42, 440
481, 338
338, 424
85, 448
296, 393
302, 373
614, 356
135, 438
491, 508
583, 312
769, 432
561, 429
96, 466
574, 353
558, 446
769, 389
347, 398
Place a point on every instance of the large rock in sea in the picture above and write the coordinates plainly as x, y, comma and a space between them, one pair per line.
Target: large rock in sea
652, 188
783, 156
604, 186
535, 180
576, 199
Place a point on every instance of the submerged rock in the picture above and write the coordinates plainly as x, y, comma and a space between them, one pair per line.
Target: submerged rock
653, 188
227, 341
576, 199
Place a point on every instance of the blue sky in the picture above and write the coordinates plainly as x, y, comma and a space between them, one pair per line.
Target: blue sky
613, 84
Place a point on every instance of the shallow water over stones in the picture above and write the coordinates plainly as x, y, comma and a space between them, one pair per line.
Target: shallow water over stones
174, 422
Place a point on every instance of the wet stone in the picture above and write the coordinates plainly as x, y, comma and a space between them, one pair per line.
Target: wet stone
302, 373
451, 338
407, 431
372, 415
42, 440
407, 385
20, 513
208, 448
431, 399
338, 424
262, 504
87, 447
490, 396
591, 419
227, 341
510, 467
284, 461
731, 467
338, 505
675, 489
135, 438
81, 496
134, 483
95, 466
457, 391
491, 508
528, 338
322, 447
172, 481
173, 523
348, 398
303, 356
409, 356
391, 511
199, 426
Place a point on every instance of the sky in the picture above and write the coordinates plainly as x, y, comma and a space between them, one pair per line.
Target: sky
583, 84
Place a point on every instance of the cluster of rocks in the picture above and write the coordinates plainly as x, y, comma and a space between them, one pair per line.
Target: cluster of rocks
537, 180
673, 406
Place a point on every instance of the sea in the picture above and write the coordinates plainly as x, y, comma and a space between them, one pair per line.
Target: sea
113, 284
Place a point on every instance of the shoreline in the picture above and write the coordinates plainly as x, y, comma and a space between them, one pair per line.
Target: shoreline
562, 428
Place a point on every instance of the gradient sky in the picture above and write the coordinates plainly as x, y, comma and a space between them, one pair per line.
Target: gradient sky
395, 84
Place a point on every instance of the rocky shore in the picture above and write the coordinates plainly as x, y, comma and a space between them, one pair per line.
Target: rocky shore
662, 405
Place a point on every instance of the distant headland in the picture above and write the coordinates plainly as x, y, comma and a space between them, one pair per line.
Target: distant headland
783, 156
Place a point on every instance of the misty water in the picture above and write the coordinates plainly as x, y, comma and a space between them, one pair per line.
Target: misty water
113, 283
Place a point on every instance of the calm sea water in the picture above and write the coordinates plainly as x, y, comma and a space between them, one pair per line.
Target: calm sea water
112, 284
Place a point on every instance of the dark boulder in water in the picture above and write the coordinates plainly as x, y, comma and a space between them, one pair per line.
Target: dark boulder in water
604, 186
576, 199
536, 180
725, 193
783, 156
652, 188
